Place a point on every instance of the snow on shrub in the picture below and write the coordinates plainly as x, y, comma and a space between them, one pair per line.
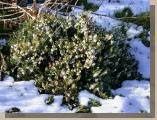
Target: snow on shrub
65, 56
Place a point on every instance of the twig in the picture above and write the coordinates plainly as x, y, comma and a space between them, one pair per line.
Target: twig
3, 17
19, 8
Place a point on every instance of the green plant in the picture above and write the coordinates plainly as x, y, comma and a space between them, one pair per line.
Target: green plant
65, 56
94, 103
144, 38
141, 20
90, 6
49, 100
126, 12
4, 52
83, 109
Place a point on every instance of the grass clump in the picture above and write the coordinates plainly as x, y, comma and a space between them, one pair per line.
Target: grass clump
65, 56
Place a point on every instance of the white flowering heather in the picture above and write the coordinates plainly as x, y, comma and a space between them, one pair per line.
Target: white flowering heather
65, 56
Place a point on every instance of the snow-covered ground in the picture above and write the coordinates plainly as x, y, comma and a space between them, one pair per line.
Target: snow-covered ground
25, 96
106, 8
132, 97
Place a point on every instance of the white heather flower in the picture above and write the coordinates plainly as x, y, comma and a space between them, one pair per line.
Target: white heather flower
34, 36
31, 48
112, 42
63, 73
109, 37
95, 37
22, 71
40, 58
92, 86
76, 56
98, 43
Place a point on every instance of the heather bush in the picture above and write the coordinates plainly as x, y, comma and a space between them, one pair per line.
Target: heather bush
65, 56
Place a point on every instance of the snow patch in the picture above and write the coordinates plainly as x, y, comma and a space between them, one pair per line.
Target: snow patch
134, 31
25, 96
142, 55
132, 97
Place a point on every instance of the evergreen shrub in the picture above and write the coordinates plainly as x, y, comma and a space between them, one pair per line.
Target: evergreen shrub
65, 56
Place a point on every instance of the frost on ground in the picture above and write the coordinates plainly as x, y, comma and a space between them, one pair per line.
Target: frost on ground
132, 97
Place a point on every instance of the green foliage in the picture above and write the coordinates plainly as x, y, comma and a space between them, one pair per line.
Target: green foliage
4, 52
90, 6
83, 109
94, 103
87, 6
65, 56
141, 20
126, 12
144, 38
49, 100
